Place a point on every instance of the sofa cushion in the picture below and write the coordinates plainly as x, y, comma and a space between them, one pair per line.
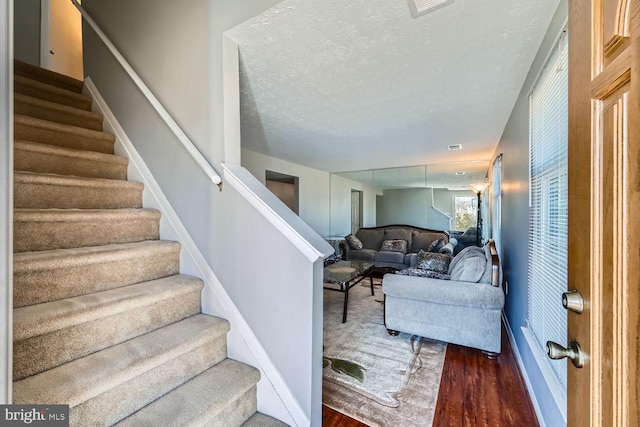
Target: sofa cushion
469, 265
418, 272
422, 240
434, 262
386, 256
353, 241
363, 254
394, 246
371, 239
399, 234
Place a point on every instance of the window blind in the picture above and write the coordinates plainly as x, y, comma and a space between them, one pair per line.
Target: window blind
547, 246
496, 201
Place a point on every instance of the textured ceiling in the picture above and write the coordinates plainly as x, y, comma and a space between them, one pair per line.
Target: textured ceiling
350, 85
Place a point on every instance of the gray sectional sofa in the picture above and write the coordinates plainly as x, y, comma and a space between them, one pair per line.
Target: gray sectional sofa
457, 311
372, 239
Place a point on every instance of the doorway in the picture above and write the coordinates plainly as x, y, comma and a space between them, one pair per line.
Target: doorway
285, 187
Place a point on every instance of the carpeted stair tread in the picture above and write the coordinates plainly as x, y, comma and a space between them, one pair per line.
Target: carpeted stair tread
44, 191
45, 158
52, 111
37, 89
47, 76
51, 316
44, 229
44, 276
45, 132
261, 420
83, 379
50, 334
204, 400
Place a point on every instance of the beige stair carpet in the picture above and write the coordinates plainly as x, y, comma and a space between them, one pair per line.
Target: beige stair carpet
103, 320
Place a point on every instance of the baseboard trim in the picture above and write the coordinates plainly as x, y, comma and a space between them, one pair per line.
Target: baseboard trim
523, 371
241, 340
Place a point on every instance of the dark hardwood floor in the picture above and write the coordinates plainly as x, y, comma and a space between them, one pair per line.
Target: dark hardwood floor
474, 391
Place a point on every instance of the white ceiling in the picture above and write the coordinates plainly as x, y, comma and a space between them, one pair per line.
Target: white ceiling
350, 85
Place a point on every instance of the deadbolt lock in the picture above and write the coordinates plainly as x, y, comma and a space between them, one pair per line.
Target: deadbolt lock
573, 301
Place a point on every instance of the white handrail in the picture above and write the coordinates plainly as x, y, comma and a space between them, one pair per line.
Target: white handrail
164, 114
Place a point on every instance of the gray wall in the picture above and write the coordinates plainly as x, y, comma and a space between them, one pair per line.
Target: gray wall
341, 204
412, 206
27, 31
514, 145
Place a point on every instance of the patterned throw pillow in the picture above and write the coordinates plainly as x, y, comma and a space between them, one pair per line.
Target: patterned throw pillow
417, 272
436, 245
394, 246
353, 241
434, 262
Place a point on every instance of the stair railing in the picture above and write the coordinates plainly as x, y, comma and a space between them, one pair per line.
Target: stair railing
153, 100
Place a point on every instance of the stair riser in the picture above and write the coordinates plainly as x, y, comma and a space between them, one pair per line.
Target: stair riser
44, 162
117, 403
44, 235
46, 76
235, 413
42, 352
35, 286
44, 196
53, 115
71, 99
63, 139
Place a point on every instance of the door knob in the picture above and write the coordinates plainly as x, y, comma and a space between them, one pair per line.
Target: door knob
573, 301
574, 352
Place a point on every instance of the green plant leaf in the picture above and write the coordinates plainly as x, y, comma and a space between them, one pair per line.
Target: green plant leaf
348, 368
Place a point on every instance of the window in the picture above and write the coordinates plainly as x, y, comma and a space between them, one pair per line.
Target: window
466, 212
547, 246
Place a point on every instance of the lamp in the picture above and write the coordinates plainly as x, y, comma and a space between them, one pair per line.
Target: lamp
478, 187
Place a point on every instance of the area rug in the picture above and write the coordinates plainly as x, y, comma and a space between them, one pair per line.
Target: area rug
371, 376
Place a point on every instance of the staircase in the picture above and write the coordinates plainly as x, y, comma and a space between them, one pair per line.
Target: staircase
103, 320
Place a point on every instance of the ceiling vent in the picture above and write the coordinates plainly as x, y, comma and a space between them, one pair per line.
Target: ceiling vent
422, 7
455, 147
460, 173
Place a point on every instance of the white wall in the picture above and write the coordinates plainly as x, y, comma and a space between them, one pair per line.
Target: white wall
6, 199
27, 30
313, 187
341, 204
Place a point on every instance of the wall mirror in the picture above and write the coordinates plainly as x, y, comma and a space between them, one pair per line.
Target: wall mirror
437, 196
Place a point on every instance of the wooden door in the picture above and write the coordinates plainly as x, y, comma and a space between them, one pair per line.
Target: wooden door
61, 38
604, 209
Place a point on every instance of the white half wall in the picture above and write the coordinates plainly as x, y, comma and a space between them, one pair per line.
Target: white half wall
6, 199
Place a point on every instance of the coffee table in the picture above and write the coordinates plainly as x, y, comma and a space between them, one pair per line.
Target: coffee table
347, 274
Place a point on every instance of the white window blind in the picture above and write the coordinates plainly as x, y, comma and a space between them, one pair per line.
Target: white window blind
496, 201
547, 244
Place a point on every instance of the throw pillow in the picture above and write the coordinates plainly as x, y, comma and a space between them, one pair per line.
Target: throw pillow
447, 249
417, 272
468, 265
353, 241
394, 246
434, 262
436, 245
